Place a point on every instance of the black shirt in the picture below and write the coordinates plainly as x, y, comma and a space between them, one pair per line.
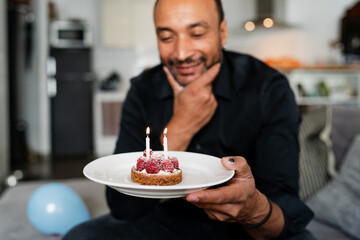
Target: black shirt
256, 118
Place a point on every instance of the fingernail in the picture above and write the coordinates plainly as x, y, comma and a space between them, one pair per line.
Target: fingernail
231, 160
193, 199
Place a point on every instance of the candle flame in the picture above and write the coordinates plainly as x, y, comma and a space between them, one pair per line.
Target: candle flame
165, 131
147, 130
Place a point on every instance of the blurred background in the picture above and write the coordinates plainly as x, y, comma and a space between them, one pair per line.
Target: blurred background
65, 68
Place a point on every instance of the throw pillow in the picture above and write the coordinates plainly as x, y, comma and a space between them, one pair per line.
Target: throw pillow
315, 151
344, 127
338, 203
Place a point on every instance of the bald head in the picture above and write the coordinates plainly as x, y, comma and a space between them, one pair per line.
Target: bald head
219, 9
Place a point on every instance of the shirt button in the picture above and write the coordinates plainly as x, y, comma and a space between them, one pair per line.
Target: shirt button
198, 147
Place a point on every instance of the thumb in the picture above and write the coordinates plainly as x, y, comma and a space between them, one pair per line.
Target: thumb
239, 164
173, 83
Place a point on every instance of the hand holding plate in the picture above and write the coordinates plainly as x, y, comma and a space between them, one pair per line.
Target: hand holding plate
238, 201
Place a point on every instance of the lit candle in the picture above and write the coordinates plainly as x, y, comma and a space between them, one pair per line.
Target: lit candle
165, 144
147, 143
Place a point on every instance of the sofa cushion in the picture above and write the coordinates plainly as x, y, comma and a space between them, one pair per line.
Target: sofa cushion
316, 157
338, 202
323, 231
344, 127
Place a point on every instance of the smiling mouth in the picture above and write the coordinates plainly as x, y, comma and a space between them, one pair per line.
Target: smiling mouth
186, 69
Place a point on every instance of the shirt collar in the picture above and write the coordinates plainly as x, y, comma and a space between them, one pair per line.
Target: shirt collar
165, 88
222, 85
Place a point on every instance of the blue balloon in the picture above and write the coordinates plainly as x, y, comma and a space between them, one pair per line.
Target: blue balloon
55, 208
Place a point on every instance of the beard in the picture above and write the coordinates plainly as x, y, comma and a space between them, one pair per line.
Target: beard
172, 63
175, 62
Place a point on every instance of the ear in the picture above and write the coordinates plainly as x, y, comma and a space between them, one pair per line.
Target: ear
223, 32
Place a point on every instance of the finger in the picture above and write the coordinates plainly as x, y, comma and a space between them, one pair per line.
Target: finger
235, 188
223, 208
211, 216
239, 164
219, 216
226, 194
208, 77
173, 83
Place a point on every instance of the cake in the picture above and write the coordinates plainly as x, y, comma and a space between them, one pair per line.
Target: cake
156, 170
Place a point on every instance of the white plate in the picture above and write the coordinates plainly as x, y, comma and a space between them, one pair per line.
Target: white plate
200, 171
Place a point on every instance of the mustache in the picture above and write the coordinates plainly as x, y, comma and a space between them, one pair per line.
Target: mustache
173, 62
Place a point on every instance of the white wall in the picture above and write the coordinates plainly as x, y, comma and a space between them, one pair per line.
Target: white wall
320, 21
237, 12
34, 93
4, 137
314, 25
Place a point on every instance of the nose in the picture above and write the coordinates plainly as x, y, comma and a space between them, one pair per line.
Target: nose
184, 49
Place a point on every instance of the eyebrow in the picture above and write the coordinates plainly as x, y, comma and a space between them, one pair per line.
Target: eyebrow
197, 24
160, 29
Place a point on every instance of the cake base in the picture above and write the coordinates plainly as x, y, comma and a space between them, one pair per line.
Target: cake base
154, 179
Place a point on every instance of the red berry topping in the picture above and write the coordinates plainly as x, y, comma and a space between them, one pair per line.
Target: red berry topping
167, 166
150, 151
140, 164
157, 157
152, 166
175, 162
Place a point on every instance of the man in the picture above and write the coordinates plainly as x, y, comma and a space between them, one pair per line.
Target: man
219, 103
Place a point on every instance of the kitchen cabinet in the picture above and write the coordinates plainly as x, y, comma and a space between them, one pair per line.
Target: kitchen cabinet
71, 106
329, 85
107, 113
127, 23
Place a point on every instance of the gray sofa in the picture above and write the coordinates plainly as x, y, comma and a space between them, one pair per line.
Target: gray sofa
322, 181
330, 171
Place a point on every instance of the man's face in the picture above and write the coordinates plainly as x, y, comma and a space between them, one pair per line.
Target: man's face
189, 36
